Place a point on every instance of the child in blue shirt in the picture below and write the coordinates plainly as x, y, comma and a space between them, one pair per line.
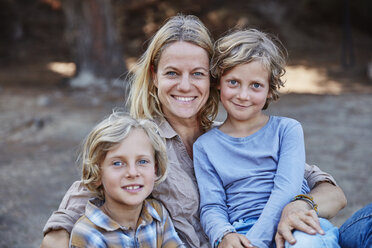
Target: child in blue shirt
252, 165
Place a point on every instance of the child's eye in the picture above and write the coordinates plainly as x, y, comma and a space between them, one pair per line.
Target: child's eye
256, 85
233, 82
143, 162
117, 163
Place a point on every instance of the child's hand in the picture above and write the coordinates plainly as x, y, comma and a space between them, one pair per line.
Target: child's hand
235, 240
296, 215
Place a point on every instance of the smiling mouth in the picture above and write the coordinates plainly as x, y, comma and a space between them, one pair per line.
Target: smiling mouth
133, 188
241, 106
184, 98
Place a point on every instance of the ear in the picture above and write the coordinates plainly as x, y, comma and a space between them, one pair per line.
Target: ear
154, 76
156, 172
156, 169
269, 95
99, 181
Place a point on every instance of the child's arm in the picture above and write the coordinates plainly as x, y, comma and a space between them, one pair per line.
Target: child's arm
288, 181
61, 221
213, 209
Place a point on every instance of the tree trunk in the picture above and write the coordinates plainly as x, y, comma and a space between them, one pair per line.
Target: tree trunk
94, 40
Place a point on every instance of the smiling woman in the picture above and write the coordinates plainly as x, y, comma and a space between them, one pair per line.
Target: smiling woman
182, 80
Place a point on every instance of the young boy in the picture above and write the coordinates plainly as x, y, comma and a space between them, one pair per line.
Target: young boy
123, 159
251, 166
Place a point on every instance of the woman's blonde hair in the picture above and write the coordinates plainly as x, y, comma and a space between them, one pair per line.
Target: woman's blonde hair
143, 99
244, 46
105, 136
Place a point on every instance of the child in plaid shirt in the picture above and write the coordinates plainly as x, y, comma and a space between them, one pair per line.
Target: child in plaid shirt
123, 158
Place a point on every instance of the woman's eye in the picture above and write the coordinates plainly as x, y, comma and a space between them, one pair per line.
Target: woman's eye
117, 163
171, 73
198, 74
256, 85
233, 82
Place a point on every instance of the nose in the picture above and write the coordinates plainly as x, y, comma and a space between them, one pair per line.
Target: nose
132, 171
184, 84
244, 93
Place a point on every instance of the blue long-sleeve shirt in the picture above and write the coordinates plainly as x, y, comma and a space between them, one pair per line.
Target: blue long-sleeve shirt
250, 177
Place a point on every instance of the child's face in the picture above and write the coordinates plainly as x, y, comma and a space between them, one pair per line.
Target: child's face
244, 90
128, 171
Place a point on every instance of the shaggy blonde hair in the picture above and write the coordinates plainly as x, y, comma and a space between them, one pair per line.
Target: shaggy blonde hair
143, 99
105, 136
245, 46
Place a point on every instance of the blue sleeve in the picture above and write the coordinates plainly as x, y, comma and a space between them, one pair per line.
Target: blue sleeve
213, 209
287, 184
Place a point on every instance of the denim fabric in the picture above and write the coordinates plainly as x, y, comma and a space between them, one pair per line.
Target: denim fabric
243, 226
328, 240
357, 230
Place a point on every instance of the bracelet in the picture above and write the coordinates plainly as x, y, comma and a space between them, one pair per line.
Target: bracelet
218, 241
309, 199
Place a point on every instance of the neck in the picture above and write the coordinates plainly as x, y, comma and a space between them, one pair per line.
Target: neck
125, 216
238, 129
188, 129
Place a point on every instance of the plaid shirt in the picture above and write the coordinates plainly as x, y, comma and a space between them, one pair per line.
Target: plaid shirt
96, 229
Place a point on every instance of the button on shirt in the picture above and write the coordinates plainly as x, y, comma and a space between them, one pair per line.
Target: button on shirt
96, 229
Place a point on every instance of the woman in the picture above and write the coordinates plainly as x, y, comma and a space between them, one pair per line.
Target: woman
172, 86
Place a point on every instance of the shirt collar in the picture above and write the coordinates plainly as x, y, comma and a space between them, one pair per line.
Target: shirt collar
100, 219
166, 130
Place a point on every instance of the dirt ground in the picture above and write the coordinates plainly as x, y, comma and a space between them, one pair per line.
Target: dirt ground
41, 128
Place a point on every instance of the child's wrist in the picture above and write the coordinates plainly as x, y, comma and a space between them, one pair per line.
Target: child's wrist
218, 241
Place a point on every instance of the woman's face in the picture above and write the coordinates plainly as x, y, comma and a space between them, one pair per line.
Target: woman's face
182, 80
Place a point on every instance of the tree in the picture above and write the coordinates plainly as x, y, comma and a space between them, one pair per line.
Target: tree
92, 34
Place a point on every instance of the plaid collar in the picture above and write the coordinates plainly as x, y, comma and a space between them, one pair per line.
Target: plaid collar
100, 219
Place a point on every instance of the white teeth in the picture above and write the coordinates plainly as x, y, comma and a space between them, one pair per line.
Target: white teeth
184, 99
132, 187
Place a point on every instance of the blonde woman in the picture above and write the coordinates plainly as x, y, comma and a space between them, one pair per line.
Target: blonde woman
172, 85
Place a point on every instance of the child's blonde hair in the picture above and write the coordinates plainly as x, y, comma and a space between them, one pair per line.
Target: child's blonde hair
109, 133
143, 99
245, 46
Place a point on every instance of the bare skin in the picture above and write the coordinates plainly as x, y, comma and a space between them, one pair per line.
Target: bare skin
235, 240
57, 238
298, 215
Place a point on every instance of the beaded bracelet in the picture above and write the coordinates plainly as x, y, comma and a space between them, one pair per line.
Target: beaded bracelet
309, 199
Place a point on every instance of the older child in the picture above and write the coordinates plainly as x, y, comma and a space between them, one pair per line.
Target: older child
122, 160
251, 166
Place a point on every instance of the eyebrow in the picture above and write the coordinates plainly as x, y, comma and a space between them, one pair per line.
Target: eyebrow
194, 69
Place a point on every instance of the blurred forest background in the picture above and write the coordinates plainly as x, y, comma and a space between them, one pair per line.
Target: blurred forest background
54, 39
63, 65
